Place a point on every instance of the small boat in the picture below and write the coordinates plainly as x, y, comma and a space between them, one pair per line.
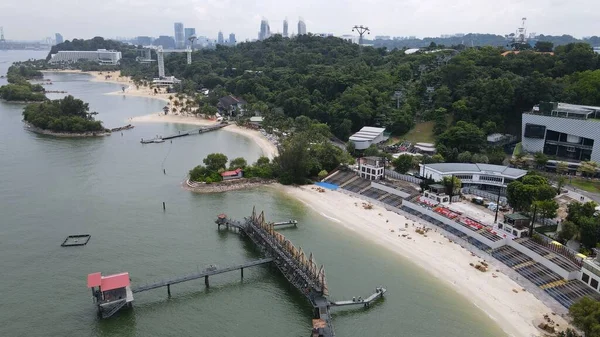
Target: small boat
159, 140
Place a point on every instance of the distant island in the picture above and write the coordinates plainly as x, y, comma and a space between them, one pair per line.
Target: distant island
19, 89
67, 117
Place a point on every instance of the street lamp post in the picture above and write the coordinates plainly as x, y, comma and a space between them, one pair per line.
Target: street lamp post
361, 30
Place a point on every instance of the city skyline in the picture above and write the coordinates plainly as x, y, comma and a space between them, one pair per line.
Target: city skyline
384, 17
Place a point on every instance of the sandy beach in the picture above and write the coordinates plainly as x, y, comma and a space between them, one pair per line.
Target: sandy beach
269, 149
516, 313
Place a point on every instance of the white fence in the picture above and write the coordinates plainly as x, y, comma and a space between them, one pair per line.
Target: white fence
391, 190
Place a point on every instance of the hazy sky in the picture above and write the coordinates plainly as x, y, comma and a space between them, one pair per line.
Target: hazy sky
36, 19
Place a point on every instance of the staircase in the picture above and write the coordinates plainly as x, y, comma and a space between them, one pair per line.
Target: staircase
114, 307
553, 284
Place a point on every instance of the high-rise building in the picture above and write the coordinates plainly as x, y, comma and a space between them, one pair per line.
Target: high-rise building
265, 30
188, 32
179, 36
59, 38
166, 42
301, 27
143, 40
285, 28
220, 38
232, 39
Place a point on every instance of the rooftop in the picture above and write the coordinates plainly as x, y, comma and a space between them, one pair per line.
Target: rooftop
367, 133
477, 168
516, 216
231, 173
109, 282
566, 110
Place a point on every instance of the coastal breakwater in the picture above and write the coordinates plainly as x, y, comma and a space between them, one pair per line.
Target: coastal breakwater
227, 185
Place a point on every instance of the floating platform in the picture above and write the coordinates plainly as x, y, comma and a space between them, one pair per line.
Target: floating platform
76, 240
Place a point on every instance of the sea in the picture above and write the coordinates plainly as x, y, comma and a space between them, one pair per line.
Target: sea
113, 188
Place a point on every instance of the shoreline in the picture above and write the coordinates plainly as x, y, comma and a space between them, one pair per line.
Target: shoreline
269, 149
86, 134
226, 186
493, 292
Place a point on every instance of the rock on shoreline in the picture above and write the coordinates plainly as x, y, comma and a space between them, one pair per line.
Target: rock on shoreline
32, 128
224, 186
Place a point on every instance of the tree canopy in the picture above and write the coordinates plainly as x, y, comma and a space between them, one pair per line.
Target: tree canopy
62, 115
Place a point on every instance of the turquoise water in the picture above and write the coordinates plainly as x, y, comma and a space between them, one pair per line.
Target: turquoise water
113, 188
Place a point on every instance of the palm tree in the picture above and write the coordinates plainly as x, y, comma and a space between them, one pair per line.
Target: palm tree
170, 97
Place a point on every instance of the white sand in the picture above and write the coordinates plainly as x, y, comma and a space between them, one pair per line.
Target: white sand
269, 149
514, 312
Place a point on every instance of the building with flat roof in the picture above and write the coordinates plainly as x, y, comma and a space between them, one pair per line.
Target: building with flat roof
480, 176
101, 56
371, 168
367, 136
563, 131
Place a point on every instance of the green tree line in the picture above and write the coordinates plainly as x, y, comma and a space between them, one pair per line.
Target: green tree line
62, 115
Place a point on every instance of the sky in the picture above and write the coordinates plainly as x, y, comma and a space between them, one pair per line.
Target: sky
37, 19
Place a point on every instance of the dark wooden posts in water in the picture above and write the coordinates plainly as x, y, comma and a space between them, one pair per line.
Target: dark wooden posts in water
169, 289
242, 271
164, 206
206, 281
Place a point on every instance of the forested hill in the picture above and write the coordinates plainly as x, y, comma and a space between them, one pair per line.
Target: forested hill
347, 87
476, 40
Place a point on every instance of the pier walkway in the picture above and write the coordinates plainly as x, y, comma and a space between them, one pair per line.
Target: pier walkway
301, 271
203, 274
185, 133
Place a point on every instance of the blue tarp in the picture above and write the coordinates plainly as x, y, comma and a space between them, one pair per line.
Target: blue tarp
327, 185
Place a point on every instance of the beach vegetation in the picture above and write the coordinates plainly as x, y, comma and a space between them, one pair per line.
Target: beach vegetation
215, 162
403, 163
581, 224
67, 115
238, 163
586, 316
19, 89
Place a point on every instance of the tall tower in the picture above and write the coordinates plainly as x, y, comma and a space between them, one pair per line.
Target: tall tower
301, 27
285, 28
58, 38
232, 39
179, 35
265, 30
188, 32
220, 39
2, 40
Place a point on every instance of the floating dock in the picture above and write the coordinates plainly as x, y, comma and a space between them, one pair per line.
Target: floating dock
185, 133
76, 240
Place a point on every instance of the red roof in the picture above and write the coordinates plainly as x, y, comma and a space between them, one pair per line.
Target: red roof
116, 281
231, 173
94, 280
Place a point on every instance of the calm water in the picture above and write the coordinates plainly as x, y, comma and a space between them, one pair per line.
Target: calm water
113, 188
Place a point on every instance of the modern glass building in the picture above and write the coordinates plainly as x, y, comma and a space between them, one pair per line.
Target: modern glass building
563, 131
179, 35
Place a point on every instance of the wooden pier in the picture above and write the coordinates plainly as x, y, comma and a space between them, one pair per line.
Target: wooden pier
203, 274
301, 271
185, 133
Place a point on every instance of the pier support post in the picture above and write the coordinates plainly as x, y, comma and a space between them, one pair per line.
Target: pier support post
164, 206
169, 289
206, 281
242, 270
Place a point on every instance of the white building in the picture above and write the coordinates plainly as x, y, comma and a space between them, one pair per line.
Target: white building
564, 131
101, 56
480, 176
371, 168
367, 136
166, 81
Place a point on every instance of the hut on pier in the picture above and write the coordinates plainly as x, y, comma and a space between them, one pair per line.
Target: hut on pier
113, 292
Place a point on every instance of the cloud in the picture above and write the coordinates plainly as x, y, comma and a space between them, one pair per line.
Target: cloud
34, 19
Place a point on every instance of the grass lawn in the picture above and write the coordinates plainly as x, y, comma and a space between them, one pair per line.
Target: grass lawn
586, 185
421, 133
